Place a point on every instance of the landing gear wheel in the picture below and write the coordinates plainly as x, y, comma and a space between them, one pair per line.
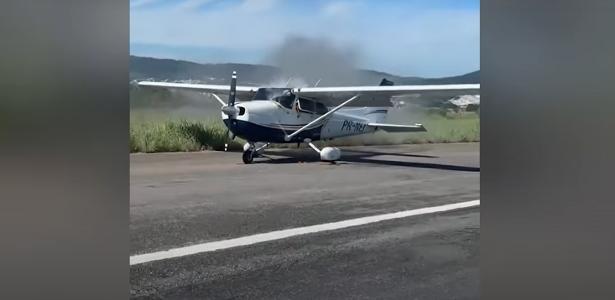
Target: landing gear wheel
248, 156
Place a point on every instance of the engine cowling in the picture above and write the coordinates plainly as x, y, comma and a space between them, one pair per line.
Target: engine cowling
330, 154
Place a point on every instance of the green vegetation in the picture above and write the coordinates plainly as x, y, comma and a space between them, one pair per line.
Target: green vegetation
178, 135
452, 128
152, 132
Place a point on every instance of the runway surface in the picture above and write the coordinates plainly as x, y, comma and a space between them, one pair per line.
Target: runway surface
184, 199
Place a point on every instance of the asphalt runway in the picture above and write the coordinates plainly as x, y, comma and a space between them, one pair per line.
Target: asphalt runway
183, 199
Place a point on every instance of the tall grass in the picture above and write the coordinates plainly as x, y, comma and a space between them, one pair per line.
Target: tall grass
178, 135
448, 129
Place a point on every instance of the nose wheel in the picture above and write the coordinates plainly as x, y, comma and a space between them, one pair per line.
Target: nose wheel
252, 150
248, 156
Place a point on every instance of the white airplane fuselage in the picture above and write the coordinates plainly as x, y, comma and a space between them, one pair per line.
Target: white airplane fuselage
270, 122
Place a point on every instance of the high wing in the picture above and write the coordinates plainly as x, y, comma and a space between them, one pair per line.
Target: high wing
244, 93
332, 96
381, 95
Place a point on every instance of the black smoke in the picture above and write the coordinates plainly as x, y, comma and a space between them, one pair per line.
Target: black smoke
307, 60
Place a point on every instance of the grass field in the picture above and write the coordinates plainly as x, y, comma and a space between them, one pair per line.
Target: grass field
160, 131
179, 135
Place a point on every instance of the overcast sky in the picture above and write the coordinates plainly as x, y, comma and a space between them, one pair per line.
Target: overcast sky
431, 38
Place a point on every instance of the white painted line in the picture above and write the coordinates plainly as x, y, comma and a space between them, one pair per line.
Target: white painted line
286, 233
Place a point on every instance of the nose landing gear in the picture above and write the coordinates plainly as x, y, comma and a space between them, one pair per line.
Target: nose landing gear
250, 151
248, 156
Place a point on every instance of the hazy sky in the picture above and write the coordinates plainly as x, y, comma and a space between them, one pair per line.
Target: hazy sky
424, 38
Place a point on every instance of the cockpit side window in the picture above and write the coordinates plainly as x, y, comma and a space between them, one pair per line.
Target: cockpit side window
310, 106
306, 105
321, 109
286, 99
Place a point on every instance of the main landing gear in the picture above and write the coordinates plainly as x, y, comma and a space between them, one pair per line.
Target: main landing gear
330, 154
252, 150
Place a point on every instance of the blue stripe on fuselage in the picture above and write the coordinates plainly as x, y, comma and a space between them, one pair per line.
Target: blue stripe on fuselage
383, 111
258, 133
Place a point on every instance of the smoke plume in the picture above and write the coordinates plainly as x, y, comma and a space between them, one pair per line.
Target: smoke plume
307, 60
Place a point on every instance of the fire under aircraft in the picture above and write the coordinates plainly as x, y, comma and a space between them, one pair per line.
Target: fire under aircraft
264, 115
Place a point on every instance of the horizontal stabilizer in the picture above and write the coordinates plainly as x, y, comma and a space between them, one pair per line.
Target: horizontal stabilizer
397, 127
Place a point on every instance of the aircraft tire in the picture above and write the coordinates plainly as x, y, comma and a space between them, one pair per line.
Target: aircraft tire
248, 157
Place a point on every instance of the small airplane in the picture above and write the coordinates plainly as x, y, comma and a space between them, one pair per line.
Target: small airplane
266, 115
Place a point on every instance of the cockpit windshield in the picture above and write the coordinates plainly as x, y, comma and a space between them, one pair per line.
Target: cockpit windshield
268, 93
280, 95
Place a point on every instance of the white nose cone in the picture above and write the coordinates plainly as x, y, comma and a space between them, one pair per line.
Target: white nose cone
330, 154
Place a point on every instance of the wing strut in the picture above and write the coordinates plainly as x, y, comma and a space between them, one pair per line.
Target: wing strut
290, 136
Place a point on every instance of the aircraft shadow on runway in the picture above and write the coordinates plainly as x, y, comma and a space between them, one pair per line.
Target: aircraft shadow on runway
293, 156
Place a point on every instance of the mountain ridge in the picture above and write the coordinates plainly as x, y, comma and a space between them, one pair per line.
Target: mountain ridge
144, 68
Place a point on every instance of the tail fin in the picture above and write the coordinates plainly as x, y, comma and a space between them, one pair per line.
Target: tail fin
386, 82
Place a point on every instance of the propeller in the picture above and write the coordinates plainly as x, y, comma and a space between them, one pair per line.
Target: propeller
231, 95
230, 110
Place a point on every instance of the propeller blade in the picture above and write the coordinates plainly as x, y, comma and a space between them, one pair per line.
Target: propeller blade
231, 95
230, 110
230, 136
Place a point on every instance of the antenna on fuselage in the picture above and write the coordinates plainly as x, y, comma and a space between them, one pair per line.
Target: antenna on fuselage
317, 82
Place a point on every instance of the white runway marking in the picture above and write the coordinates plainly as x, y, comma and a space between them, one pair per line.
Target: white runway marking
286, 233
